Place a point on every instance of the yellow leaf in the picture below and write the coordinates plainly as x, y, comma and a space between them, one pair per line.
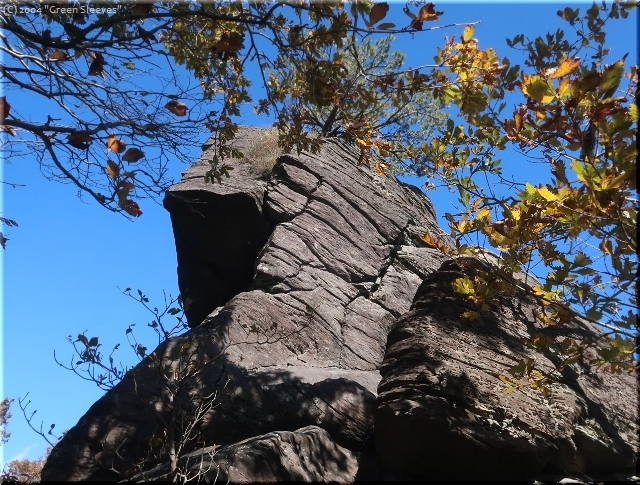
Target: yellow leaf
484, 213
464, 286
565, 89
468, 33
567, 66
112, 169
547, 194
505, 379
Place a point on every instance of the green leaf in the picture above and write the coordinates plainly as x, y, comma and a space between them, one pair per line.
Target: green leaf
611, 78
464, 286
633, 112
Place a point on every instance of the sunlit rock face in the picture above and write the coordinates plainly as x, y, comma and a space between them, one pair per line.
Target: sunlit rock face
300, 291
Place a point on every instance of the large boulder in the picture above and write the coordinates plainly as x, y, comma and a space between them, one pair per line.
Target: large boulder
305, 455
292, 285
442, 414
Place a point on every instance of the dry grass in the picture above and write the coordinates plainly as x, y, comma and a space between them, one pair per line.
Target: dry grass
263, 152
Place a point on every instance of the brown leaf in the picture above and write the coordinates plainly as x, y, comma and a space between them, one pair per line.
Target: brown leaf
230, 42
58, 56
378, 12
132, 155
112, 169
124, 188
177, 108
79, 139
77, 54
8, 129
4, 108
97, 65
428, 12
114, 145
131, 208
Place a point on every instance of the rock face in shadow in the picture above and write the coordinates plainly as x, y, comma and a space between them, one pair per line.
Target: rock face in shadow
300, 293
441, 414
280, 456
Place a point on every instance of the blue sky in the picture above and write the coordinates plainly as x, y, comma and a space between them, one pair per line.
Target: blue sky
64, 263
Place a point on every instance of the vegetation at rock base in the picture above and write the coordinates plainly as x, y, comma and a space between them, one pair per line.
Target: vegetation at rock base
570, 109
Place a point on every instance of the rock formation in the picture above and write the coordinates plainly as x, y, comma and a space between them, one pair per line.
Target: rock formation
305, 290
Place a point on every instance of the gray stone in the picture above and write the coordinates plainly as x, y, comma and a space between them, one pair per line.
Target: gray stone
291, 286
442, 412
307, 455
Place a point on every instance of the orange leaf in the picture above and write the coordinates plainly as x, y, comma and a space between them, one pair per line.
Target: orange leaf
79, 139
114, 145
567, 66
177, 108
8, 129
132, 155
112, 169
4, 107
381, 169
58, 56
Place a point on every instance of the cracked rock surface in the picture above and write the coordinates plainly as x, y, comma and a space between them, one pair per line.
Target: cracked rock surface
442, 414
293, 284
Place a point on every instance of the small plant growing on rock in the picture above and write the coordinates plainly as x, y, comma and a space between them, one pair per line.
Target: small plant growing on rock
263, 152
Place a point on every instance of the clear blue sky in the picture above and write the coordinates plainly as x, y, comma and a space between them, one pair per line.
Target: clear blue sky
64, 263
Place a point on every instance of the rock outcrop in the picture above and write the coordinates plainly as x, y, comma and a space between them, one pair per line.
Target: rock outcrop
300, 294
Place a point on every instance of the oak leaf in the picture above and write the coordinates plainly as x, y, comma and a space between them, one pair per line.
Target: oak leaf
4, 107
112, 169
428, 12
8, 129
131, 208
79, 139
97, 64
132, 155
177, 108
377, 13
114, 145
58, 56
567, 66
230, 42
